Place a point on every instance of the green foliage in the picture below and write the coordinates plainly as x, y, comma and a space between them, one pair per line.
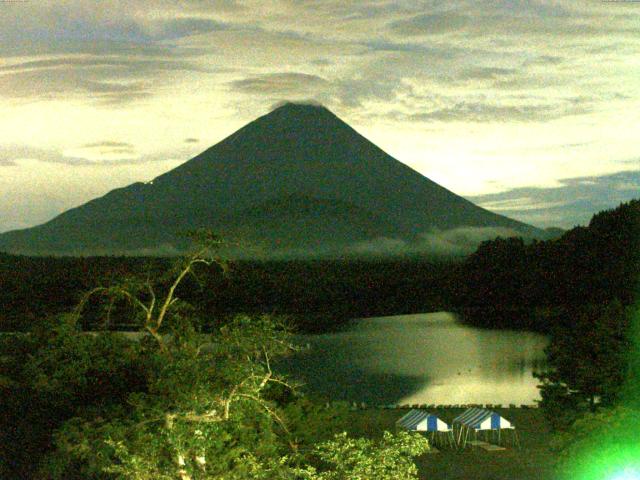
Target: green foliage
204, 398
560, 406
317, 295
599, 445
311, 422
587, 363
177, 403
606, 443
390, 458
630, 394
208, 411
69, 365
54, 374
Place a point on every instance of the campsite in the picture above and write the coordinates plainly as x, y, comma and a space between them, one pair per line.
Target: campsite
533, 460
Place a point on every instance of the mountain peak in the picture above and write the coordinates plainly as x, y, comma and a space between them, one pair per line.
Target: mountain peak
299, 106
297, 177
300, 109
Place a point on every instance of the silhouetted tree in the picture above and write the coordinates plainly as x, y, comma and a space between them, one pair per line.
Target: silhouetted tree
587, 358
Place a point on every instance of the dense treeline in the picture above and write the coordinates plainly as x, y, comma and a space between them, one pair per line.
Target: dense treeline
507, 283
323, 294
32, 288
317, 295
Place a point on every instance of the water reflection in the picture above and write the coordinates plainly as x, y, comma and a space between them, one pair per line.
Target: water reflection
425, 358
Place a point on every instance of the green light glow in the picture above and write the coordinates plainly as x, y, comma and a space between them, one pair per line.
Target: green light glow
609, 464
627, 474
606, 445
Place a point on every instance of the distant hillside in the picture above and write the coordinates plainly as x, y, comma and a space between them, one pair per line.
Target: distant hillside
554, 232
507, 283
295, 180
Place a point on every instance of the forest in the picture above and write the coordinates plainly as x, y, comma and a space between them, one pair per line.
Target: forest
98, 406
178, 402
316, 295
505, 283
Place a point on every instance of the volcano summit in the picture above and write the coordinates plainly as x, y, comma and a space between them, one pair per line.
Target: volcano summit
296, 180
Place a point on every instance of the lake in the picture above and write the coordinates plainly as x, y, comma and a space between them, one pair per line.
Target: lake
428, 358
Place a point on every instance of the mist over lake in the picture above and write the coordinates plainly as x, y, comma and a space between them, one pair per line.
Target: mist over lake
422, 358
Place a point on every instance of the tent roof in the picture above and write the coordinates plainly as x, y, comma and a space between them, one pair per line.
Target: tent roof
422, 420
481, 419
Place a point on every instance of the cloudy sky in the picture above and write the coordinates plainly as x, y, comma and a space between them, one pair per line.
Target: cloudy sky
530, 108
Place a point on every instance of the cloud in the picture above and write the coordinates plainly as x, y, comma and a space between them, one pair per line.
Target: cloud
280, 83
462, 240
14, 153
521, 204
106, 80
63, 84
118, 64
106, 150
455, 241
219, 33
108, 143
430, 24
111, 54
134, 21
513, 18
282, 103
355, 91
381, 75
96, 154
573, 202
628, 186
69, 21
476, 111
544, 60
187, 26
386, 45
486, 73
413, 74
491, 67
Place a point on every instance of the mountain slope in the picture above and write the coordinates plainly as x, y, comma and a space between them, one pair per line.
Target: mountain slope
296, 177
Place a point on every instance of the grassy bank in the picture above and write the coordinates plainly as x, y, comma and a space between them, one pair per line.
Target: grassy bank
532, 461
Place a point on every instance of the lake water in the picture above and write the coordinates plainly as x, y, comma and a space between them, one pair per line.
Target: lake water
427, 358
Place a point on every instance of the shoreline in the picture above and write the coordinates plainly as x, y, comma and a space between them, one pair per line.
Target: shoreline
432, 406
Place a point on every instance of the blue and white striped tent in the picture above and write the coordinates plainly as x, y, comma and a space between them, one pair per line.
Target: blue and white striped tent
478, 420
422, 421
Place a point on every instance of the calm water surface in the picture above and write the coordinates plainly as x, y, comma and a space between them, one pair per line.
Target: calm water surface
424, 358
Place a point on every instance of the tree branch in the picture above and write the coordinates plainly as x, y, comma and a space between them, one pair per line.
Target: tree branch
269, 410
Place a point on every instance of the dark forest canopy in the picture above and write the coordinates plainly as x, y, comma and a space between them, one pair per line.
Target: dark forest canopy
505, 283
317, 295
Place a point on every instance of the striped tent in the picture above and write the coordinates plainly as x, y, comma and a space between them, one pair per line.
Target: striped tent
484, 423
438, 432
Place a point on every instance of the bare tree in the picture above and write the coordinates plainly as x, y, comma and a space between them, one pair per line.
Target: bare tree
143, 295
